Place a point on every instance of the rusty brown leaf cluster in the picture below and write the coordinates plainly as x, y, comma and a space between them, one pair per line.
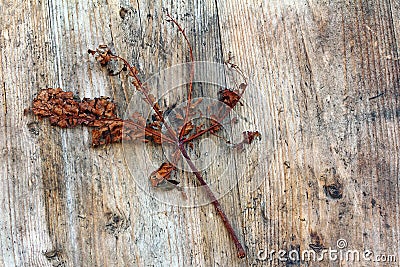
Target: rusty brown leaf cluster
66, 111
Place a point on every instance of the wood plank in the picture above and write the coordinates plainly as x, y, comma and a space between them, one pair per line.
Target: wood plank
323, 91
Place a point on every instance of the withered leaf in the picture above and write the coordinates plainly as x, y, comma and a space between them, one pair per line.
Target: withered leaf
229, 97
107, 133
199, 127
215, 124
158, 177
248, 138
187, 128
133, 72
103, 56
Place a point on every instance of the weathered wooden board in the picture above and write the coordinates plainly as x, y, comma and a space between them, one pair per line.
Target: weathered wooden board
324, 92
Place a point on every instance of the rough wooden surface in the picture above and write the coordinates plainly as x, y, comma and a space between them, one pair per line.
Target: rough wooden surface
327, 75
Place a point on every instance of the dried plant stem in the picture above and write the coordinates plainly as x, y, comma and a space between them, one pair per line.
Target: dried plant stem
148, 100
196, 135
190, 90
140, 86
240, 251
130, 122
150, 131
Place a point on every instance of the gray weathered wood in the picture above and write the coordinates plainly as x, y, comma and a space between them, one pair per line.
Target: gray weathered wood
324, 92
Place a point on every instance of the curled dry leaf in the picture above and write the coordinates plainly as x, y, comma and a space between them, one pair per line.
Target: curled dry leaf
103, 54
229, 97
187, 128
160, 177
248, 138
232, 97
215, 124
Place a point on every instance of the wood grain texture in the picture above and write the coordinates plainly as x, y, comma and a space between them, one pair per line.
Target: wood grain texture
324, 92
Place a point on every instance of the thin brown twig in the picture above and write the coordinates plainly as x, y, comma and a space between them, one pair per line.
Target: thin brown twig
240, 251
190, 90
146, 95
150, 131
